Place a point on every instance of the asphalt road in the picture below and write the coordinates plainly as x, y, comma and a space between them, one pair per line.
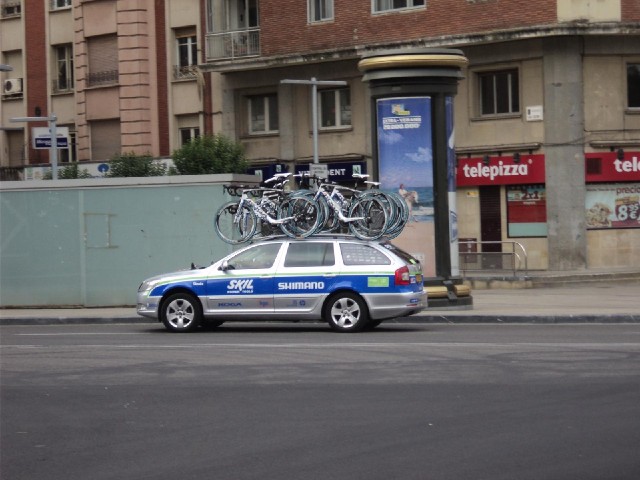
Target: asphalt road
282, 401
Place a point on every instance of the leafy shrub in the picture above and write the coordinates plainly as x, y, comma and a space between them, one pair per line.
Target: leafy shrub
68, 172
132, 165
210, 154
73, 171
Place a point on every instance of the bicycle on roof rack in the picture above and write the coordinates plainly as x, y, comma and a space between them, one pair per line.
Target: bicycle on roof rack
368, 215
261, 210
395, 205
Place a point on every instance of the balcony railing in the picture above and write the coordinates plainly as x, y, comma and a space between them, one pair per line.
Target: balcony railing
229, 45
103, 78
185, 72
11, 174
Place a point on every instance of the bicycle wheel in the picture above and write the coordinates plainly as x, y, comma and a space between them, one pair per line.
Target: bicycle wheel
373, 222
233, 228
304, 216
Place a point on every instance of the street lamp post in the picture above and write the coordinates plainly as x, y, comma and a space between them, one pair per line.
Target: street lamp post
314, 108
53, 131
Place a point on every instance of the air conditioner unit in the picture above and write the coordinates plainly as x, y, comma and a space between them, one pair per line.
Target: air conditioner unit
12, 85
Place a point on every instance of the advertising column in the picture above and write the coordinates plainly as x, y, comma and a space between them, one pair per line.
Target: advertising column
405, 165
411, 95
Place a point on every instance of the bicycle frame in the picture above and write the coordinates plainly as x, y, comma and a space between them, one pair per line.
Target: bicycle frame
336, 205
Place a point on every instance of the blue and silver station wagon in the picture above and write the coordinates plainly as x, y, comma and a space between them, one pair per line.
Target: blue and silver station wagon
350, 284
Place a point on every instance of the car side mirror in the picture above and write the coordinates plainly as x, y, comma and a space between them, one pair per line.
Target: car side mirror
225, 266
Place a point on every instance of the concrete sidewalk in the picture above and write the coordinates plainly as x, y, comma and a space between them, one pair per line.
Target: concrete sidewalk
601, 302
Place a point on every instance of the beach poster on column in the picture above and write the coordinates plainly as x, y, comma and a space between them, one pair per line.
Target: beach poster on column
405, 166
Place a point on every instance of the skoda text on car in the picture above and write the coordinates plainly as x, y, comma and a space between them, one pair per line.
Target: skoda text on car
351, 284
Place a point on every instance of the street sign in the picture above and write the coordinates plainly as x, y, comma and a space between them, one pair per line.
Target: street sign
42, 137
319, 170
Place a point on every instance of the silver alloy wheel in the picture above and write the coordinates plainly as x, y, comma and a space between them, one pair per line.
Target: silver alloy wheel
347, 312
180, 313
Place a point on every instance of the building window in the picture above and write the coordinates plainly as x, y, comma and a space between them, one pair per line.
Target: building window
499, 92
187, 57
633, 85
526, 211
10, 9
320, 10
188, 133
58, 4
103, 60
64, 69
68, 155
387, 5
335, 108
105, 139
263, 114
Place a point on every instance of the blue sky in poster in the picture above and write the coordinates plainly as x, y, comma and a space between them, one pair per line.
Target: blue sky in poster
405, 148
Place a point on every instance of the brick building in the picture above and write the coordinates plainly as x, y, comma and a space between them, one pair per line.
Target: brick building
547, 117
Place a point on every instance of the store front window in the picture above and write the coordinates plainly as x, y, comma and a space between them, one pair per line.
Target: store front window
526, 211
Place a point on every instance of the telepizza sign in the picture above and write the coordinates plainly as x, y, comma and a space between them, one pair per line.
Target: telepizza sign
479, 171
612, 167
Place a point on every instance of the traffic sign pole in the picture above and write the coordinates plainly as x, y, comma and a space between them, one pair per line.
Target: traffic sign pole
53, 129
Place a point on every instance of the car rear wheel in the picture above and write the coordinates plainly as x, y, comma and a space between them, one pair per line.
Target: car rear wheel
181, 312
346, 312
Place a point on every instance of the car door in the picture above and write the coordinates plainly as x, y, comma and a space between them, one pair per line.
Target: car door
243, 284
306, 275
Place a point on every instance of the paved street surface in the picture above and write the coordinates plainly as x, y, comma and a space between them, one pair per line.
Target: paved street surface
278, 401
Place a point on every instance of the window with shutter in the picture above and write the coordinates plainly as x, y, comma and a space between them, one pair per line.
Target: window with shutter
105, 139
103, 60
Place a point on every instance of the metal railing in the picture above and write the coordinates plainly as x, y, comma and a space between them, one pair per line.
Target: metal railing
11, 174
239, 43
185, 72
109, 77
511, 257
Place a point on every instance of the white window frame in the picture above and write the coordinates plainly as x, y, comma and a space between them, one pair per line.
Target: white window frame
65, 62
60, 4
320, 10
69, 155
382, 6
193, 132
339, 104
266, 103
190, 42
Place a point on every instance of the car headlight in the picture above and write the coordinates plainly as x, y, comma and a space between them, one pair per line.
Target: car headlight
146, 286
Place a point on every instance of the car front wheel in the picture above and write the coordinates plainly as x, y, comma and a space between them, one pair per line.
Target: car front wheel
181, 312
346, 312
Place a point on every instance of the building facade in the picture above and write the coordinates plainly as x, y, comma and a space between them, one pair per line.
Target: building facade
547, 116
120, 75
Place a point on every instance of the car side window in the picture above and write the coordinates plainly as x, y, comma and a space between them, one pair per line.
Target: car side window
356, 254
312, 254
260, 256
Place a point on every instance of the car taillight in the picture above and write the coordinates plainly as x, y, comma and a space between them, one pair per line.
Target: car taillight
402, 276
